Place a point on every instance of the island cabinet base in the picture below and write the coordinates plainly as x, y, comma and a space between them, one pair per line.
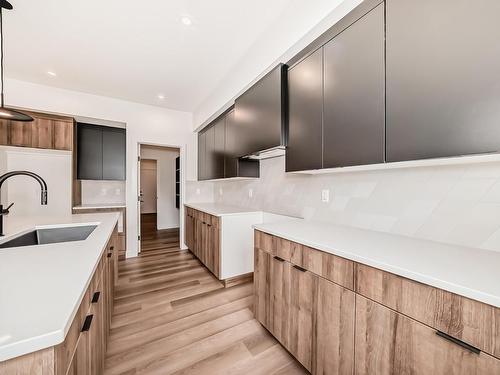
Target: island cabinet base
339, 317
84, 348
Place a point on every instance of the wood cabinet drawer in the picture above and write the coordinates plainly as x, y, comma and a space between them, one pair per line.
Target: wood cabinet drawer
474, 322
331, 267
273, 245
387, 342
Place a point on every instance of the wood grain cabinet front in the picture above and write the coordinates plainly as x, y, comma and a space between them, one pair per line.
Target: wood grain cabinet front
339, 317
202, 236
46, 131
390, 343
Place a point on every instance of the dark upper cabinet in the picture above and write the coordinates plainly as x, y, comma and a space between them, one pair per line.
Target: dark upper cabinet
201, 156
101, 152
354, 91
219, 148
260, 114
230, 158
209, 153
443, 91
89, 151
305, 113
113, 154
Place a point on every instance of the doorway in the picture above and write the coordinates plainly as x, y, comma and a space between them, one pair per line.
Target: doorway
159, 189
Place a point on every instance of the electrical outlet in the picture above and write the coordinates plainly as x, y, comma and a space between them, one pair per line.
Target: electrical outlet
250, 193
118, 191
198, 191
325, 195
220, 191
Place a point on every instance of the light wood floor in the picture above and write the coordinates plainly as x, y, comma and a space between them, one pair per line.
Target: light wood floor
172, 316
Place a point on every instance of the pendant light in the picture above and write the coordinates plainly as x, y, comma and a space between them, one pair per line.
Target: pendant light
7, 113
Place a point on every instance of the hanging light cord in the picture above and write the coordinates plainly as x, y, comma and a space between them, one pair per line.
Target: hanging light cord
1, 51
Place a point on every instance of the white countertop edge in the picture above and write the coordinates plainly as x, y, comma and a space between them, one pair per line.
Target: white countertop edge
424, 279
40, 342
32, 345
214, 212
97, 206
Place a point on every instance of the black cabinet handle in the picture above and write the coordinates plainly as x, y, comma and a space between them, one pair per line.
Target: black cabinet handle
458, 342
110, 255
209, 225
299, 268
278, 258
95, 297
111, 248
87, 323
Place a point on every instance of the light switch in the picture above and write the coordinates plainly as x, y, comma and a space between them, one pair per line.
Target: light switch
250, 193
325, 195
220, 191
198, 191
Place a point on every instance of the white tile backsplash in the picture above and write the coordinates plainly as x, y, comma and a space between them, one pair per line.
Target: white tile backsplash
457, 204
102, 192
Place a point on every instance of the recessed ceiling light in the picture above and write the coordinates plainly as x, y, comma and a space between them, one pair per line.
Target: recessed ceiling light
51, 73
186, 21
161, 96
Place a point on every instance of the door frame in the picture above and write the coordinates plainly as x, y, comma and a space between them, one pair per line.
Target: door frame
182, 156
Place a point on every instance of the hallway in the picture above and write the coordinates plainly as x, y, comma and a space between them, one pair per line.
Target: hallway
171, 316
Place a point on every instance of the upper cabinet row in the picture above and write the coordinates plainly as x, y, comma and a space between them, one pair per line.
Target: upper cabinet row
416, 80
46, 131
218, 151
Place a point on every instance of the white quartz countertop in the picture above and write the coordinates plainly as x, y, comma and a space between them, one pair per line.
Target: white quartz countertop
469, 272
217, 209
99, 205
41, 286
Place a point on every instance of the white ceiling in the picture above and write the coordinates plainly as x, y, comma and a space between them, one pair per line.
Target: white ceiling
135, 50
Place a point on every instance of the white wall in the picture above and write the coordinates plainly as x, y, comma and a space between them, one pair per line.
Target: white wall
457, 204
53, 166
145, 124
168, 214
272, 47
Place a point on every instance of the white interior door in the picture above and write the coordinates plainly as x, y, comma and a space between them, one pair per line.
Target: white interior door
148, 186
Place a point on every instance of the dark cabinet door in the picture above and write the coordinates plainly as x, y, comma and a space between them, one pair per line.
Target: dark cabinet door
113, 154
354, 123
305, 101
210, 153
443, 91
230, 159
89, 146
201, 156
219, 148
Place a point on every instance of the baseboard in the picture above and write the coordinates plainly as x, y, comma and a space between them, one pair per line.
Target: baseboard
237, 280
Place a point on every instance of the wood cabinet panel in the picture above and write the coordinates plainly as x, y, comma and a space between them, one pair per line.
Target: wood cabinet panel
42, 133
279, 299
20, 133
390, 343
261, 280
473, 322
63, 135
303, 288
331, 267
333, 349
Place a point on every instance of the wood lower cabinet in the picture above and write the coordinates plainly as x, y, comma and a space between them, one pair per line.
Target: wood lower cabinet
339, 317
84, 348
334, 334
390, 343
202, 236
303, 288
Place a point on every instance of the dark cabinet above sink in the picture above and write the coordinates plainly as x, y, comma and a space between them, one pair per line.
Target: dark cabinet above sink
101, 152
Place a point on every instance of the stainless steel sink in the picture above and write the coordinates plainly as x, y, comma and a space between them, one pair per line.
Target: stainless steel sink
50, 235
